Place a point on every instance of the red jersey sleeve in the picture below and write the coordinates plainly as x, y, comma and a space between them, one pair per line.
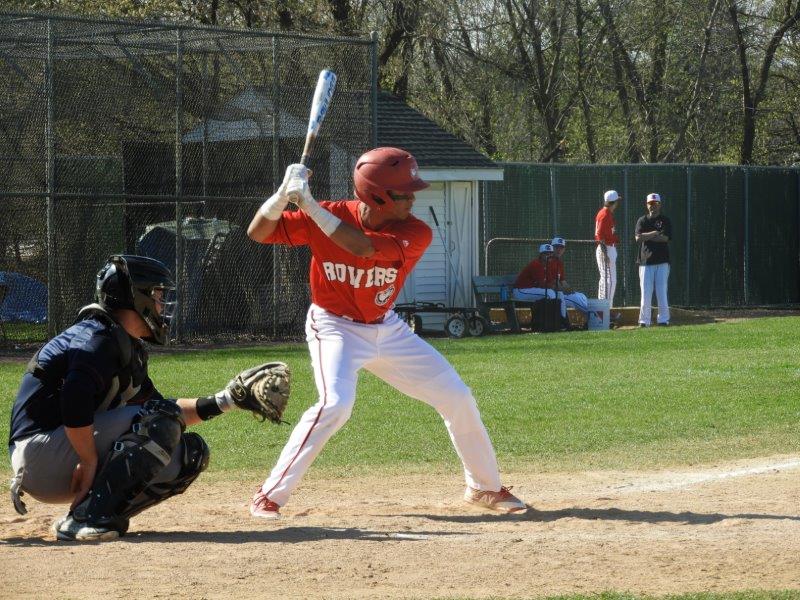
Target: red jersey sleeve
401, 242
555, 272
604, 227
531, 276
293, 229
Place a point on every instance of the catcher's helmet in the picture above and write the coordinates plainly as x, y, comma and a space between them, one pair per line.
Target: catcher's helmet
384, 169
132, 282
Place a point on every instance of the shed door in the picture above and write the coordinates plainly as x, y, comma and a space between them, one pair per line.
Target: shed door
461, 240
428, 281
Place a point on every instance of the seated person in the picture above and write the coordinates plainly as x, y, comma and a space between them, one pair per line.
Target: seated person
537, 280
572, 299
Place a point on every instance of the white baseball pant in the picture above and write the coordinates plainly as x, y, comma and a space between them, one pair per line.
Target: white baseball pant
577, 301
607, 265
339, 349
534, 294
653, 276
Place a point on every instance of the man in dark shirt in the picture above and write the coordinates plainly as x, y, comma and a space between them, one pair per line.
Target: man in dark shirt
653, 232
89, 428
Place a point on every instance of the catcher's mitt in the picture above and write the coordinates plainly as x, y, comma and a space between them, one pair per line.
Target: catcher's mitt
263, 390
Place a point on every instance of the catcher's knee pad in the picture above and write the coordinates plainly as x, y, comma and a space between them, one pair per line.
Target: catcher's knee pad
135, 459
194, 460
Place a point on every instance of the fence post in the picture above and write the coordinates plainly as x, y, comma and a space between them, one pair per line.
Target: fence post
553, 201
179, 279
626, 252
687, 284
374, 85
276, 166
746, 257
51, 183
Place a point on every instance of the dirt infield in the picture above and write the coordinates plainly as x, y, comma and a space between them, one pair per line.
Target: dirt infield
725, 527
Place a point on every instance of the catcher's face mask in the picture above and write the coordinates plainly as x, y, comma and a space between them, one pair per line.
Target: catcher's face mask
141, 284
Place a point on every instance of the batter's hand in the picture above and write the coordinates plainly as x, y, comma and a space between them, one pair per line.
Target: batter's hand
298, 191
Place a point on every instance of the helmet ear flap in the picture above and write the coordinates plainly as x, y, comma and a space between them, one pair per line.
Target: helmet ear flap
114, 284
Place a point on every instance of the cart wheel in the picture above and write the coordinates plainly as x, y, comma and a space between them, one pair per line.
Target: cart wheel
477, 325
456, 326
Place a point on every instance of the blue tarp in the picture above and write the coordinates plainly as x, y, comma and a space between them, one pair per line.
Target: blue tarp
26, 298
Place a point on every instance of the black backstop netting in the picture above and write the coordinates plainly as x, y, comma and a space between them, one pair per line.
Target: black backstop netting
163, 140
735, 229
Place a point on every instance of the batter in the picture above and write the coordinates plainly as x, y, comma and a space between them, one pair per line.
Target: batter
362, 251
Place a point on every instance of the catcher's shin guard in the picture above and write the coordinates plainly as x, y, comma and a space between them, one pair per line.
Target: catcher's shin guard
194, 460
135, 460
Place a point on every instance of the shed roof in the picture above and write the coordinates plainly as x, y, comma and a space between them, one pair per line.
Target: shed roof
401, 126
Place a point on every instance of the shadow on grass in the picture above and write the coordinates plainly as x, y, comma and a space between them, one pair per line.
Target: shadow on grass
287, 535
609, 514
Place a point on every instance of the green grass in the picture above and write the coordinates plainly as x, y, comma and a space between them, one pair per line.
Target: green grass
24, 333
586, 400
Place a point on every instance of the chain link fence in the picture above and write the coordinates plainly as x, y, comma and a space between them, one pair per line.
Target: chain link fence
163, 139
735, 229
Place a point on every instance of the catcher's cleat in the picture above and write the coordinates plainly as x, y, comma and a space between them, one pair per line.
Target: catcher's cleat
264, 508
68, 529
502, 501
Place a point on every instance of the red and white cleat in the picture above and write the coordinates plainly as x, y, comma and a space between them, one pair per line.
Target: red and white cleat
264, 508
502, 501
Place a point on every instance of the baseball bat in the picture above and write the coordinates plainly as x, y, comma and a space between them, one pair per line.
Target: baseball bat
323, 94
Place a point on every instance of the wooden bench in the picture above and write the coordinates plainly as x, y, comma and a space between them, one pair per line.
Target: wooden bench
494, 291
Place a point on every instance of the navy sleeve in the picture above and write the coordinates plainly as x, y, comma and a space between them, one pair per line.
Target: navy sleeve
639, 225
146, 392
92, 364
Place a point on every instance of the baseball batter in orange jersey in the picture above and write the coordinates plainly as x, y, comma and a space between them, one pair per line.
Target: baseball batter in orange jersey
362, 251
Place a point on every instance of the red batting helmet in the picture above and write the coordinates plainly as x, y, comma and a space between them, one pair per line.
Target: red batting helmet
384, 169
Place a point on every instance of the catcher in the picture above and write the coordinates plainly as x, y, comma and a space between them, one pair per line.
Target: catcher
89, 428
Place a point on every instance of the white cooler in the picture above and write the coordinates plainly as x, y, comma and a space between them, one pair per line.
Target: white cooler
599, 317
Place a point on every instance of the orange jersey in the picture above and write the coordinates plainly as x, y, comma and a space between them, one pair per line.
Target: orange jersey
555, 272
604, 228
533, 275
347, 285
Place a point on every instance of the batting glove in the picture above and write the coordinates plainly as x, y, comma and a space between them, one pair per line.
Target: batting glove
276, 204
300, 194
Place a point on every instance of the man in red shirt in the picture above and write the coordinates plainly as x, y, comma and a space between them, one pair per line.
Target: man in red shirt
362, 250
539, 279
606, 235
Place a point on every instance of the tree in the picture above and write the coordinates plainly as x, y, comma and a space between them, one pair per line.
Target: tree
782, 17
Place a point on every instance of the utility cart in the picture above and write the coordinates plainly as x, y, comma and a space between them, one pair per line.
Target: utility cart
460, 321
